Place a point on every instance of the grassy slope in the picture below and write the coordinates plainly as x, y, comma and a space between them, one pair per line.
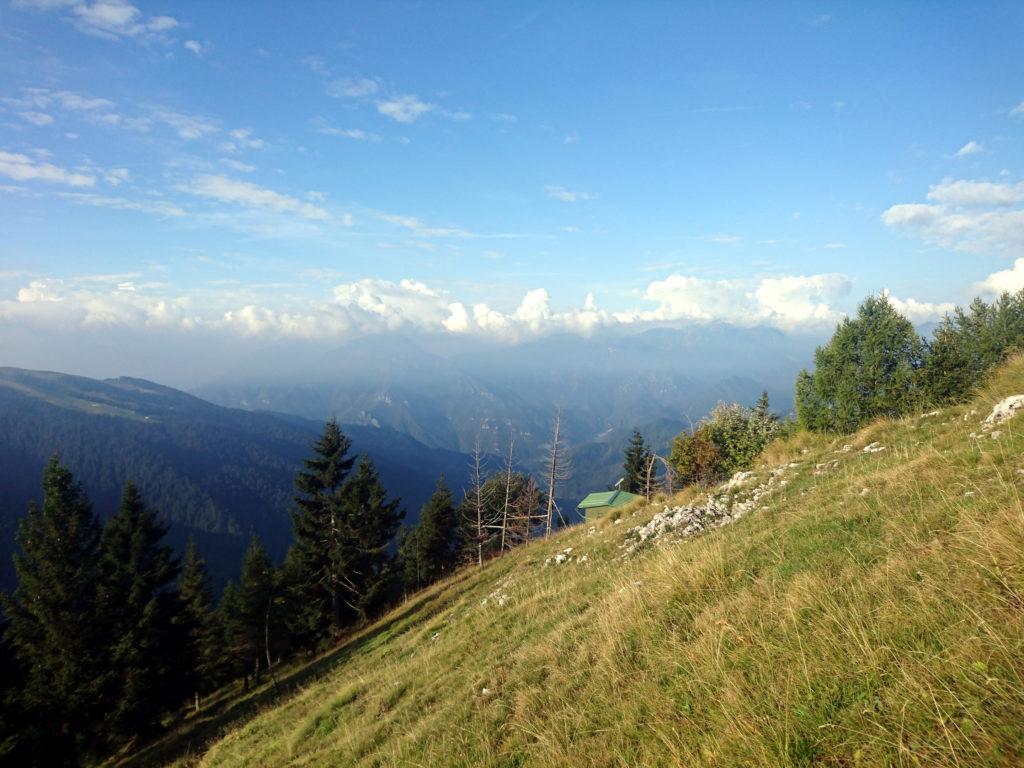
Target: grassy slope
837, 626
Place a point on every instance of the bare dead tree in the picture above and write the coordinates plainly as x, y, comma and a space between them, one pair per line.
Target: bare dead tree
558, 469
668, 479
477, 523
508, 491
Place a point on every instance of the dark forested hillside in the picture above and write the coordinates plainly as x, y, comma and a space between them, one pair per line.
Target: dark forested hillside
215, 473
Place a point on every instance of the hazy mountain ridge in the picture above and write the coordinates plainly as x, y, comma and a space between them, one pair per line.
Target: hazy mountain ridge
448, 396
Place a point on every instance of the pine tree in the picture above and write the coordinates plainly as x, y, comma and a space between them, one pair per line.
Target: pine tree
197, 625
638, 456
432, 548
255, 601
317, 533
15, 726
138, 610
367, 523
53, 630
232, 637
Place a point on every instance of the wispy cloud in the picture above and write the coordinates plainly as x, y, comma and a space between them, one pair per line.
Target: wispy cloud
971, 216
23, 168
1018, 110
250, 195
196, 47
36, 118
188, 127
110, 19
357, 134
968, 149
154, 207
405, 108
556, 192
352, 87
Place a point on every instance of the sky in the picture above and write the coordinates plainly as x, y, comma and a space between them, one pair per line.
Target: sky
216, 175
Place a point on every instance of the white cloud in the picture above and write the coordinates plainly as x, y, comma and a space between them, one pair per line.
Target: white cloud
920, 311
196, 47
250, 195
188, 127
348, 133
404, 108
352, 87
1005, 281
984, 193
1018, 110
785, 302
23, 168
242, 138
419, 228
77, 102
111, 19
566, 195
155, 207
36, 118
968, 149
835, 246
970, 216
458, 115
92, 303
117, 176
238, 165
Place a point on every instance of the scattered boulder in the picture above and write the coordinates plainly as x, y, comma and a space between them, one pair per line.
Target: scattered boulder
1004, 410
874, 448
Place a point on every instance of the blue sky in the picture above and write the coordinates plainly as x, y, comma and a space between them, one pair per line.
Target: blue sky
503, 170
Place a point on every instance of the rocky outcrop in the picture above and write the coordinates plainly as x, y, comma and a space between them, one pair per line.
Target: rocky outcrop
730, 501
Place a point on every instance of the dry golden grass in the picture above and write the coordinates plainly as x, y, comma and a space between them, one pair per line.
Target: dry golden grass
870, 615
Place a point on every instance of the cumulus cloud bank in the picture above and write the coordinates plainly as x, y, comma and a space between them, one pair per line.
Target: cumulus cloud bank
791, 303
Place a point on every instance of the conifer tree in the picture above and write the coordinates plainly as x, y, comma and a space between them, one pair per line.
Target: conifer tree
367, 522
198, 625
231, 662
138, 611
255, 597
52, 617
432, 548
317, 532
638, 456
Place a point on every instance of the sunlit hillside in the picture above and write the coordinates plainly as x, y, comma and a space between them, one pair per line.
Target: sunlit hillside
866, 609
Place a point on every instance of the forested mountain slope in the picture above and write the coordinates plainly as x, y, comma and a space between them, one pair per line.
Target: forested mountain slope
216, 473
862, 607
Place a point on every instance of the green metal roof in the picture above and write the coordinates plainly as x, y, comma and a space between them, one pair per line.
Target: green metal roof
607, 499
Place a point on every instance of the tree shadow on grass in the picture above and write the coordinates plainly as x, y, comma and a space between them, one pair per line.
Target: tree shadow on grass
192, 736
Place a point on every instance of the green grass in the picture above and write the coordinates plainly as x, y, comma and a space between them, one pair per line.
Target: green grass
869, 615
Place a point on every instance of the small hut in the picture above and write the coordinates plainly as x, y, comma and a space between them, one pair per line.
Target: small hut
597, 504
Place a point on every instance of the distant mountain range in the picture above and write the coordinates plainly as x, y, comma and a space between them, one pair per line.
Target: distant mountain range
661, 381
216, 473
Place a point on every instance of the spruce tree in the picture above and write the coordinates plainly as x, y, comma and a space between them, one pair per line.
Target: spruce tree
432, 548
138, 610
367, 522
317, 532
52, 616
638, 456
255, 598
232, 659
198, 625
